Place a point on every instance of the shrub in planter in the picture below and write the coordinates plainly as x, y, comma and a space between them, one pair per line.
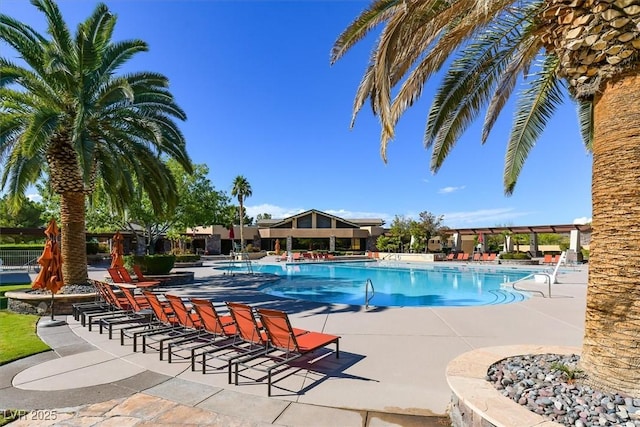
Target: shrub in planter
151, 264
515, 255
187, 258
92, 248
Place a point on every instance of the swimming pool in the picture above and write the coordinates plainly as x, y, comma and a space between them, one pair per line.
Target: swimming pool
394, 285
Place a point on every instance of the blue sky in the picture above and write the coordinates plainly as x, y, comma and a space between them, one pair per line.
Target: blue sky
263, 101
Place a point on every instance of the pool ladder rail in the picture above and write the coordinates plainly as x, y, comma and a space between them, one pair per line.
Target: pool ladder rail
367, 298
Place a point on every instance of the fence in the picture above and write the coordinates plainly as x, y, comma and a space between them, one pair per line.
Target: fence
19, 259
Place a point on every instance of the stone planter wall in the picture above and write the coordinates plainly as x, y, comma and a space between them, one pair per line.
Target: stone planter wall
29, 303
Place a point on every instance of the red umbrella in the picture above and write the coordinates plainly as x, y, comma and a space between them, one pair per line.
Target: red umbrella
480, 238
117, 251
277, 248
50, 275
231, 233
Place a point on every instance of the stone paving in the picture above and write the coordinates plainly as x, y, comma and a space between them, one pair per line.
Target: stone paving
391, 370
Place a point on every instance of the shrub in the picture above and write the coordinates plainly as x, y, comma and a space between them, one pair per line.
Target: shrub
22, 246
187, 258
251, 248
103, 248
515, 255
92, 248
151, 264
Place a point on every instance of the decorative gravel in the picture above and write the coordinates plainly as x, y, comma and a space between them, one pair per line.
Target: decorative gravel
541, 383
69, 289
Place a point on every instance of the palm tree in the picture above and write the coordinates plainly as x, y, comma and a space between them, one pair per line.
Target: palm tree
68, 117
586, 49
241, 189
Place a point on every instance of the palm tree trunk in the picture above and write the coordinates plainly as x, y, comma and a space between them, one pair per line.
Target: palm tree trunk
611, 348
73, 243
241, 227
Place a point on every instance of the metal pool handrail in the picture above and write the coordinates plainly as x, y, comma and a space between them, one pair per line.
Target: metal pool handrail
367, 298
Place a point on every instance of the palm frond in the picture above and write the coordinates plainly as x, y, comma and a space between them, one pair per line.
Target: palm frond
585, 118
377, 13
535, 107
518, 66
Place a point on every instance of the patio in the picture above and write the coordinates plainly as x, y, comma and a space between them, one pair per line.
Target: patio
392, 360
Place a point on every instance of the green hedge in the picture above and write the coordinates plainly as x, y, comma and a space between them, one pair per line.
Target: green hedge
515, 255
187, 258
22, 246
151, 264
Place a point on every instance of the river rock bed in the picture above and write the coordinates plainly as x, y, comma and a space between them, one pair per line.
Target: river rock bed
541, 383
67, 290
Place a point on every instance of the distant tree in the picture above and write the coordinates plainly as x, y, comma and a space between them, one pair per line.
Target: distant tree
400, 231
27, 215
198, 203
263, 216
241, 189
389, 243
428, 226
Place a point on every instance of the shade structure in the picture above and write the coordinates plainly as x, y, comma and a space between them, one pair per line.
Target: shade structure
117, 251
50, 276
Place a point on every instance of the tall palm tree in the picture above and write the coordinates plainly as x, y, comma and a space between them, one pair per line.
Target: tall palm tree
68, 117
584, 48
241, 189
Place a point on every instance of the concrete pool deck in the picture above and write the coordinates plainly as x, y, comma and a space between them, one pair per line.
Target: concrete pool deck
391, 369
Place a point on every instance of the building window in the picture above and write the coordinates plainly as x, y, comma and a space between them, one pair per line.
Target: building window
323, 221
304, 221
288, 224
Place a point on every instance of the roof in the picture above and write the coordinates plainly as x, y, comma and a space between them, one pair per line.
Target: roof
525, 229
310, 211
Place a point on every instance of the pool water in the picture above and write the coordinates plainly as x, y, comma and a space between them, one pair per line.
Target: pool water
395, 285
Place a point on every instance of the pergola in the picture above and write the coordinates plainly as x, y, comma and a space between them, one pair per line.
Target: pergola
524, 229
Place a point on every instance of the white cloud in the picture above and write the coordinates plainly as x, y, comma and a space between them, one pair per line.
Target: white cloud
278, 212
482, 217
275, 211
34, 197
582, 220
447, 190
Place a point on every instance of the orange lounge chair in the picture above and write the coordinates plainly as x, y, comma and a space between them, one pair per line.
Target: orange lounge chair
175, 329
548, 259
285, 344
465, 257
249, 340
297, 256
485, 256
221, 328
492, 257
121, 275
137, 270
477, 256
450, 257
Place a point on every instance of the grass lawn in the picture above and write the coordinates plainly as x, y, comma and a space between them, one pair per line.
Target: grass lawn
19, 338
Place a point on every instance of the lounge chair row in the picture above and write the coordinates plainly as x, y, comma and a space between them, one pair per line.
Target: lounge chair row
246, 338
463, 256
306, 256
550, 259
